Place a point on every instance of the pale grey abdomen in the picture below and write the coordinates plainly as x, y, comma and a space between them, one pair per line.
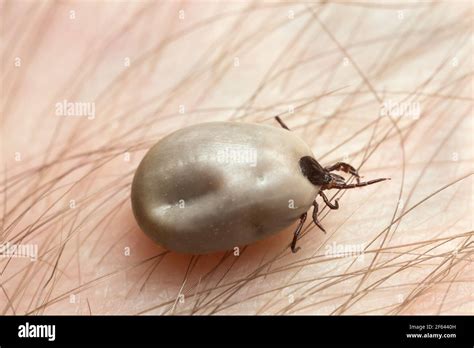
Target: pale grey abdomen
214, 186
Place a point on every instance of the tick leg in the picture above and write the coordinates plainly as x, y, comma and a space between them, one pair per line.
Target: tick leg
329, 204
344, 167
280, 121
315, 216
297, 233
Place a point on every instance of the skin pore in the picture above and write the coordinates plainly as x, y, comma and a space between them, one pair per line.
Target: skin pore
88, 87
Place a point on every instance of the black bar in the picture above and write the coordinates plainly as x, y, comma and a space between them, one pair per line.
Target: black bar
289, 330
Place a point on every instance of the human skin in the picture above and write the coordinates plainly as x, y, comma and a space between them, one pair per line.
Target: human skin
336, 73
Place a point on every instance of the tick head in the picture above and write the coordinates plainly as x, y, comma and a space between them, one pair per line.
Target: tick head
322, 177
315, 173
318, 175
335, 180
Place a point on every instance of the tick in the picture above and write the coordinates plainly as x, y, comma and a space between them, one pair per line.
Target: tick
214, 186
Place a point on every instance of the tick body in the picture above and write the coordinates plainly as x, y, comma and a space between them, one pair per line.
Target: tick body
215, 186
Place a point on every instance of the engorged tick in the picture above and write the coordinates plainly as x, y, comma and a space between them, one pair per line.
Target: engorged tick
247, 181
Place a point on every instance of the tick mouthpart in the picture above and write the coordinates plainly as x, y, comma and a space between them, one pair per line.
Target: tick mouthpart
351, 186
